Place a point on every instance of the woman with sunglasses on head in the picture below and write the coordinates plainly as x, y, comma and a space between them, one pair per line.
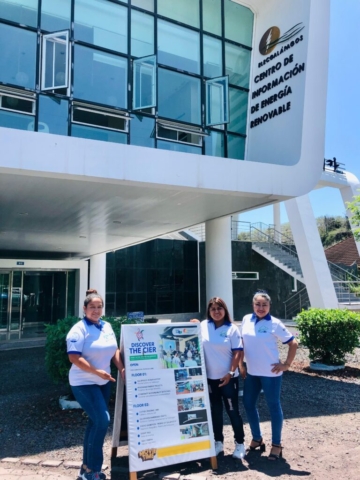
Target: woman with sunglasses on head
223, 351
91, 346
260, 332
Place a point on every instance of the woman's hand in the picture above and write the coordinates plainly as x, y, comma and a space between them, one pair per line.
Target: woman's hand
104, 375
194, 320
243, 371
225, 380
122, 373
279, 367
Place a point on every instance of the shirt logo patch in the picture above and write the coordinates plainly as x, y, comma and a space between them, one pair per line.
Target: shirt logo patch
224, 334
263, 330
74, 337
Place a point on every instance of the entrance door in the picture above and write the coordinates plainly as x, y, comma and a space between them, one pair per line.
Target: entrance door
38, 298
4, 299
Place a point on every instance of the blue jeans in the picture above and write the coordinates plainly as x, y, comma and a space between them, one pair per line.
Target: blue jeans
271, 387
229, 396
94, 400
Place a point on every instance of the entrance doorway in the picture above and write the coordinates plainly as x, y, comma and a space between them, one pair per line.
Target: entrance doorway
30, 299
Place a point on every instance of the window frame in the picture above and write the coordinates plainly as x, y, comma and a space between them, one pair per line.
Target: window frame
45, 38
222, 83
154, 78
100, 111
180, 128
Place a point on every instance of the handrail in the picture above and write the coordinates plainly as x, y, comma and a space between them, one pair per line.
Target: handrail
295, 294
275, 242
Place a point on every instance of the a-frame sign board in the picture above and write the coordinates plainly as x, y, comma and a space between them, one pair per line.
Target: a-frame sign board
168, 409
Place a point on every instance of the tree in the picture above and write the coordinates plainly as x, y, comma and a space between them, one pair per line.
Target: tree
354, 208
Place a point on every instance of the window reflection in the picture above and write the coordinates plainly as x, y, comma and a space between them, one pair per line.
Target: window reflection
236, 147
238, 23
178, 147
214, 144
16, 120
238, 101
145, 4
237, 61
212, 57
53, 114
20, 11
212, 16
55, 15
98, 134
186, 11
142, 34
142, 131
100, 77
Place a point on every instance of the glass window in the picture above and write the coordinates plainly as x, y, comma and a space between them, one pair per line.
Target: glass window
55, 61
238, 110
238, 23
179, 97
101, 23
178, 47
99, 118
217, 101
237, 65
17, 104
186, 11
100, 77
55, 15
145, 4
17, 56
142, 131
212, 16
20, 11
98, 134
236, 147
16, 120
144, 83
178, 133
53, 115
178, 147
212, 57
142, 34
214, 144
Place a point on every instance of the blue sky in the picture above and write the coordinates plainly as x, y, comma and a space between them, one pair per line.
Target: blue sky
343, 109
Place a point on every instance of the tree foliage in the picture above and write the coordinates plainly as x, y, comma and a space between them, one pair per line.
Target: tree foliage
354, 208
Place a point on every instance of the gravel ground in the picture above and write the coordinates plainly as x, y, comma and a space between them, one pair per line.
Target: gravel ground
321, 430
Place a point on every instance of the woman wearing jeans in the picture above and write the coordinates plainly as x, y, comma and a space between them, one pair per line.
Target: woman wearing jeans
223, 351
91, 345
263, 371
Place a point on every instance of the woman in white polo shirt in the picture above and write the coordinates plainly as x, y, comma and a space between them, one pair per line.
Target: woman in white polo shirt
91, 346
260, 332
223, 350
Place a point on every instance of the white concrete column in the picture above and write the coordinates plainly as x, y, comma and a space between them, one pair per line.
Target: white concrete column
98, 274
277, 221
348, 193
219, 261
311, 254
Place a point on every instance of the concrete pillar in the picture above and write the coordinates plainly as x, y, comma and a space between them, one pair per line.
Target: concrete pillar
348, 193
98, 274
277, 221
311, 254
219, 261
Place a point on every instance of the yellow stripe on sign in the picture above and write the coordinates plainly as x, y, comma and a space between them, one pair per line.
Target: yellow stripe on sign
181, 449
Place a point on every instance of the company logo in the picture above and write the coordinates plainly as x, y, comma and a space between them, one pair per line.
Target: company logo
272, 38
139, 334
184, 331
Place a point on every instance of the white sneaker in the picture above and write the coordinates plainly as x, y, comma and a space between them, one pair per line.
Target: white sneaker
239, 451
219, 447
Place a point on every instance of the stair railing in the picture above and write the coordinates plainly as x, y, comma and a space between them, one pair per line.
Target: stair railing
296, 303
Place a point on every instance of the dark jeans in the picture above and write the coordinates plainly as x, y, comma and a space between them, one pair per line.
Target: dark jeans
227, 395
94, 399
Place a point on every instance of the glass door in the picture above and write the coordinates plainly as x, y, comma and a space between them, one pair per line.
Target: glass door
4, 299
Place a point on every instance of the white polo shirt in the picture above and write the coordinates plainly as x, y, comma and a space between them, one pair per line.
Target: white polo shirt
97, 344
219, 345
260, 343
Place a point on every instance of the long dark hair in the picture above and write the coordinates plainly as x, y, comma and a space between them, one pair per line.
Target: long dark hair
220, 302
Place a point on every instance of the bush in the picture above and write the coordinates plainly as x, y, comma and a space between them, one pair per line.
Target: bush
329, 334
56, 359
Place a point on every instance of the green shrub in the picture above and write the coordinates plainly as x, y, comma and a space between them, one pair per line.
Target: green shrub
329, 334
56, 359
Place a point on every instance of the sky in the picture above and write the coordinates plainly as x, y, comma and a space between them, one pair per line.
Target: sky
343, 110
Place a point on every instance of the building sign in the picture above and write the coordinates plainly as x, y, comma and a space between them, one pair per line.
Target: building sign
277, 92
169, 418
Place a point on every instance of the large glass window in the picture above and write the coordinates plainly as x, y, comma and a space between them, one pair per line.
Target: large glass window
98, 134
237, 65
178, 47
238, 23
212, 57
217, 101
144, 83
212, 16
14, 103
53, 115
17, 56
186, 11
100, 77
107, 118
179, 97
55, 61
101, 23
214, 144
238, 110
142, 34
20, 11
16, 120
142, 131
55, 15
145, 4
236, 147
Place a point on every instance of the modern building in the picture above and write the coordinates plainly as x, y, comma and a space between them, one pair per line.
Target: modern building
122, 121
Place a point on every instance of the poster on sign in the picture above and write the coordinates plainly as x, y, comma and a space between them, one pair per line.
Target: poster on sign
169, 418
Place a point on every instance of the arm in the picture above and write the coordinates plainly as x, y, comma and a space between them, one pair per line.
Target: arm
82, 363
282, 367
237, 354
119, 364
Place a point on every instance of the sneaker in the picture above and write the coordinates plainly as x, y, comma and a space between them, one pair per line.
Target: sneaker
219, 447
92, 475
239, 451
